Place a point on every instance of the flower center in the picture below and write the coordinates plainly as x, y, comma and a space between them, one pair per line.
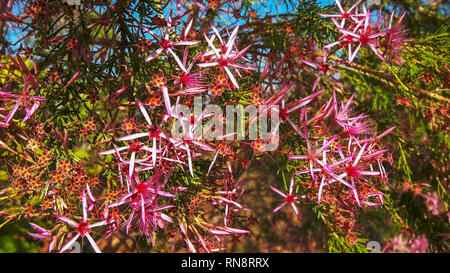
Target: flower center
223, 62
324, 68
83, 228
353, 172
364, 39
289, 199
352, 130
142, 189
345, 15
165, 44
184, 78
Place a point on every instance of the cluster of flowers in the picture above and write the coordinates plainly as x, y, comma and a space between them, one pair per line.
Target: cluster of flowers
154, 153
359, 31
343, 155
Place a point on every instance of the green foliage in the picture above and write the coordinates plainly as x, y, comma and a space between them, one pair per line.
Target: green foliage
310, 24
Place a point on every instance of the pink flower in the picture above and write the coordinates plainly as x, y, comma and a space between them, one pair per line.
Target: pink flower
285, 111
364, 33
313, 153
289, 199
394, 38
190, 83
324, 69
366, 36
345, 117
230, 197
82, 228
143, 199
419, 244
166, 45
345, 14
226, 57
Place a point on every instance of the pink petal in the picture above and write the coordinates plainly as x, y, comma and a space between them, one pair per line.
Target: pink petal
154, 55
67, 220
69, 244
93, 244
277, 191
